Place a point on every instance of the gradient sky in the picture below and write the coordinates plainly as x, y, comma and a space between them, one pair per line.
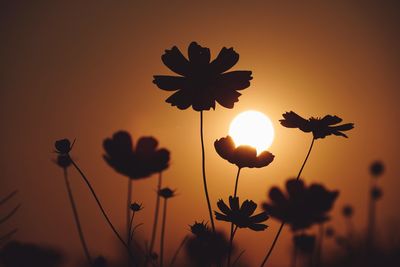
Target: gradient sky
84, 70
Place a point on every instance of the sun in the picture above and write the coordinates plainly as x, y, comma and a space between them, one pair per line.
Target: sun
252, 128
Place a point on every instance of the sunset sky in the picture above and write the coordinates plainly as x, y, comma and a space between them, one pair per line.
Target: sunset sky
84, 70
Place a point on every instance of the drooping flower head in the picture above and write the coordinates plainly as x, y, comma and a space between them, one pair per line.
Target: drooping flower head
202, 83
241, 216
135, 206
199, 228
320, 128
302, 206
135, 162
347, 211
376, 193
63, 161
242, 156
63, 146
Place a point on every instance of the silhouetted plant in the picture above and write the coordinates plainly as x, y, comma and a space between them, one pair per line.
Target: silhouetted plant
305, 245
377, 168
136, 163
17, 254
320, 128
348, 212
240, 216
165, 193
63, 147
206, 247
201, 84
134, 207
100, 261
64, 162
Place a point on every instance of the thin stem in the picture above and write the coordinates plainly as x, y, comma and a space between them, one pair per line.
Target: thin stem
154, 232
237, 182
99, 204
203, 160
130, 230
128, 210
283, 223
178, 250
76, 217
163, 233
9, 196
232, 233
8, 235
9, 215
319, 249
371, 222
238, 257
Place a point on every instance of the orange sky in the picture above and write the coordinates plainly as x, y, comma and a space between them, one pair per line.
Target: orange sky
84, 71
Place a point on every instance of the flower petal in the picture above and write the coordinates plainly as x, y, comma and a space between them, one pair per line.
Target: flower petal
234, 203
234, 80
221, 217
295, 188
182, 99
227, 98
248, 207
225, 60
198, 55
277, 197
258, 227
176, 62
292, 120
261, 217
223, 207
264, 159
245, 156
169, 83
329, 120
146, 146
225, 148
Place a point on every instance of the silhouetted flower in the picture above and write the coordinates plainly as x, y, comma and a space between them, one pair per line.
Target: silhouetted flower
330, 231
135, 206
376, 193
17, 254
347, 211
63, 161
304, 243
199, 228
166, 193
207, 248
241, 216
202, 82
319, 127
242, 156
63, 146
136, 163
377, 168
302, 206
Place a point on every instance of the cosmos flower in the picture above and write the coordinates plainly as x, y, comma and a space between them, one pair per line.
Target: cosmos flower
63, 146
302, 206
202, 82
377, 168
242, 156
206, 247
320, 128
166, 193
136, 163
241, 216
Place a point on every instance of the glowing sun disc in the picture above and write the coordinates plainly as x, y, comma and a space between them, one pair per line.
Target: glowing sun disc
252, 128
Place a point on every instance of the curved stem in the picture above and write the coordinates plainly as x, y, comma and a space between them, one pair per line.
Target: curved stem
163, 233
9, 196
99, 204
154, 232
203, 160
283, 223
76, 217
